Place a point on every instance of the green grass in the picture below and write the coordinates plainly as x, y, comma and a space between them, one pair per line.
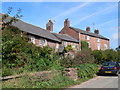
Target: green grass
58, 81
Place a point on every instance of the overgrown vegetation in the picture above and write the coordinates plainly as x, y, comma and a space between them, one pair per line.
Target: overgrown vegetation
85, 72
106, 56
18, 55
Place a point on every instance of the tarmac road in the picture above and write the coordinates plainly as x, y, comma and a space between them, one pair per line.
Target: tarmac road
100, 82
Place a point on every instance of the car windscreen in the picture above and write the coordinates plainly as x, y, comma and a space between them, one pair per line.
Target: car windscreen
108, 64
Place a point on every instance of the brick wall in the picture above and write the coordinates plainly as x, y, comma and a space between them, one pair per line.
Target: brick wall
93, 40
70, 32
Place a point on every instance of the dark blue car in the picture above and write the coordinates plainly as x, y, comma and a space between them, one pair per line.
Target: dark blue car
110, 68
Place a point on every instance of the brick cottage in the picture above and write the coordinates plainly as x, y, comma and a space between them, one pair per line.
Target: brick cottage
95, 40
45, 37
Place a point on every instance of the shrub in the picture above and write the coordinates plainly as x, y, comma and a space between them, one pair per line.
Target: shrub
87, 70
18, 53
84, 56
84, 45
68, 48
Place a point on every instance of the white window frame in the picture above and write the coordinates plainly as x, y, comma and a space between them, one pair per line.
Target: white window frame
43, 44
105, 46
98, 39
73, 45
57, 45
98, 46
32, 39
87, 37
65, 43
89, 44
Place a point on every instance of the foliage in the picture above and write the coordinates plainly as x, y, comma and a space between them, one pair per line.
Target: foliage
84, 45
106, 56
99, 56
67, 62
17, 52
87, 70
84, 56
27, 82
68, 48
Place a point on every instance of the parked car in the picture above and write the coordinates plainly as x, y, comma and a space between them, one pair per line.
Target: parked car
110, 68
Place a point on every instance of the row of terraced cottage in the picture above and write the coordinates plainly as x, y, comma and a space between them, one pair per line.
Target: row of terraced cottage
67, 36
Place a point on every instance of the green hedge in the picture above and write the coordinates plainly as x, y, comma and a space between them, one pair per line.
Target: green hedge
87, 70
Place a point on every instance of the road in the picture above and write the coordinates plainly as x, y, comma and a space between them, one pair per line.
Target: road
99, 82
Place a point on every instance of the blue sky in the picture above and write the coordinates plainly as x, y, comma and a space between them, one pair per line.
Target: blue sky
104, 15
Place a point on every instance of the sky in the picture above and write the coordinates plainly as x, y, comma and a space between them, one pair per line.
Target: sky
98, 15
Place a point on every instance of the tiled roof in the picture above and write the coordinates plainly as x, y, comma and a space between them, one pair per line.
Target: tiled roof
89, 33
34, 30
65, 37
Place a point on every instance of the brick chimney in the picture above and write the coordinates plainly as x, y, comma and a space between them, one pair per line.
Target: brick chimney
96, 31
66, 23
88, 29
49, 25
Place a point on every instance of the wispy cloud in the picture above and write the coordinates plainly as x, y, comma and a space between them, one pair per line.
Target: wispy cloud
72, 10
108, 9
107, 22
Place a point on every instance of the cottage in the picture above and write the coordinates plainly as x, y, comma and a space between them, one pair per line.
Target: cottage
45, 37
95, 40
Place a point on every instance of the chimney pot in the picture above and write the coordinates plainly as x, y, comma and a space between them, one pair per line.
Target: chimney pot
49, 25
96, 31
66, 23
88, 29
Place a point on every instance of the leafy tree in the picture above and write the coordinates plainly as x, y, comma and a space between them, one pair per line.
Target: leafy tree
99, 56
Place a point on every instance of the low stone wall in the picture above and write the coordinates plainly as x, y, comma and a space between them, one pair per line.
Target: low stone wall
71, 73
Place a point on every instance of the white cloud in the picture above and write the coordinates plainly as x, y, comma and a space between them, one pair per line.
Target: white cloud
108, 22
115, 36
106, 10
72, 10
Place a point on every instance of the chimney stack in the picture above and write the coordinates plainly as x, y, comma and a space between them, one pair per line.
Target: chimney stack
49, 25
88, 29
66, 23
96, 31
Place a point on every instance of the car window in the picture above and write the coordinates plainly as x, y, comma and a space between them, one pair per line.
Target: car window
108, 64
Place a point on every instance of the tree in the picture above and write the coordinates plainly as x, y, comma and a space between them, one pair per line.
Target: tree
11, 19
99, 56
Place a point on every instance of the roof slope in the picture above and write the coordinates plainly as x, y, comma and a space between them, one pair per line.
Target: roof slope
89, 33
29, 28
65, 37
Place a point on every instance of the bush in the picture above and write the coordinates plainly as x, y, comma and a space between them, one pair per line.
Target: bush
68, 48
84, 56
18, 54
106, 56
87, 70
84, 45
